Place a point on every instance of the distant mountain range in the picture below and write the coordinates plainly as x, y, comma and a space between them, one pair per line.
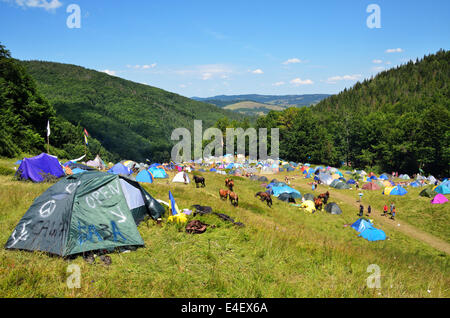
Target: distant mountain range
254, 104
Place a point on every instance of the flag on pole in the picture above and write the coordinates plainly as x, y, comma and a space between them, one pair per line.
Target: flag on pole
85, 136
173, 204
48, 128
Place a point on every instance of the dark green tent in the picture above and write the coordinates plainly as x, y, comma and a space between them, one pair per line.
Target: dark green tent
308, 196
287, 197
341, 185
84, 212
333, 208
428, 192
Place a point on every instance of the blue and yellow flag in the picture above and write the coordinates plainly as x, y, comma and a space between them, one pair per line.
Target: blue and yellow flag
173, 204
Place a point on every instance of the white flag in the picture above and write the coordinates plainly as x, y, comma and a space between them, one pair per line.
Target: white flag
48, 128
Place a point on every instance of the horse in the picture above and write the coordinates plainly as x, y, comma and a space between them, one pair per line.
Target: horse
224, 194
324, 197
229, 183
234, 199
200, 180
264, 196
318, 203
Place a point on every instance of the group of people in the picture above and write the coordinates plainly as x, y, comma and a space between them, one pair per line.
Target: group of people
392, 210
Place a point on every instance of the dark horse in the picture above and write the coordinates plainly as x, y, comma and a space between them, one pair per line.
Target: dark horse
324, 197
234, 199
199, 180
264, 196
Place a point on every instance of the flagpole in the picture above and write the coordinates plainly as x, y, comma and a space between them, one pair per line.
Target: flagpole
48, 145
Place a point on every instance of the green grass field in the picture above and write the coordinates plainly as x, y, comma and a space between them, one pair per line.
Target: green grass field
281, 252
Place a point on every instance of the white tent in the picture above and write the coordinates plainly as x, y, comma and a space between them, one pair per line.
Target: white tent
181, 177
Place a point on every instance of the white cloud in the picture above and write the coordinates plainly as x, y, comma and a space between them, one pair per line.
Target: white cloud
292, 61
398, 50
109, 72
149, 66
334, 79
205, 72
377, 61
278, 84
142, 67
298, 81
258, 71
207, 76
48, 5
183, 85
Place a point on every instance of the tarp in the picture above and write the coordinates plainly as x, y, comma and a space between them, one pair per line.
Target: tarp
277, 190
85, 212
35, 168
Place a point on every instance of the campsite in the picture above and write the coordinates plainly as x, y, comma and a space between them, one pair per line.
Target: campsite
281, 251
252, 150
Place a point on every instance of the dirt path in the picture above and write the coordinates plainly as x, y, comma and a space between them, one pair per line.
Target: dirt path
404, 227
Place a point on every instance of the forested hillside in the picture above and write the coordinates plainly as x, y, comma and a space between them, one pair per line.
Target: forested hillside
24, 115
131, 120
398, 120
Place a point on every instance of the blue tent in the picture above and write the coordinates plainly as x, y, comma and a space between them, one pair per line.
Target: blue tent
414, 184
367, 231
144, 176
398, 190
213, 170
384, 177
443, 188
35, 168
373, 178
277, 190
373, 234
360, 225
78, 170
120, 169
158, 173
351, 181
18, 162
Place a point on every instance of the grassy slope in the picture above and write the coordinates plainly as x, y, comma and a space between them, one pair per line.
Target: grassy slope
282, 252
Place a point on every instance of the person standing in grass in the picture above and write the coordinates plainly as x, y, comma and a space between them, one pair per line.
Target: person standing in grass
360, 196
369, 210
393, 214
361, 210
392, 207
385, 210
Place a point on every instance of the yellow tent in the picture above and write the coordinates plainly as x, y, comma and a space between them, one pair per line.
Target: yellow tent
387, 184
388, 190
308, 206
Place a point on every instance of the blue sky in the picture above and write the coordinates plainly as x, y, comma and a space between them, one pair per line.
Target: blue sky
205, 48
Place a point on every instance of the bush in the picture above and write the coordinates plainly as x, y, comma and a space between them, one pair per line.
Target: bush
5, 171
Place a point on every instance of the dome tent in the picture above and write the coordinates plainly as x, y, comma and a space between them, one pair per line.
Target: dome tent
181, 177
333, 208
439, 199
287, 197
144, 176
85, 212
36, 168
120, 169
